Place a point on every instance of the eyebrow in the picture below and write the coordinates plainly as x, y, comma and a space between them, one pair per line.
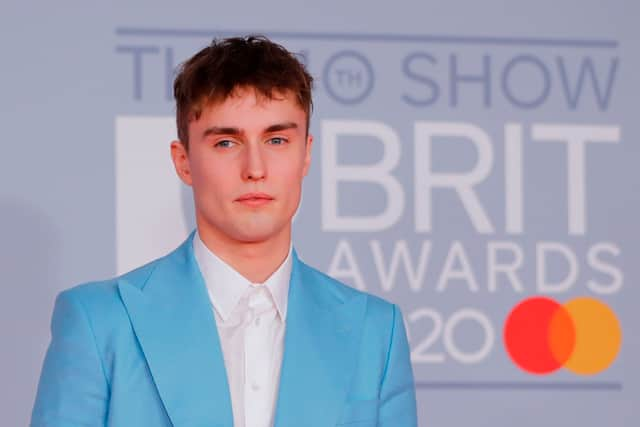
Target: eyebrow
281, 126
217, 130
229, 130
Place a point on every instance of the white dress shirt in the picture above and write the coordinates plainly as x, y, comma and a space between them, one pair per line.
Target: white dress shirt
250, 318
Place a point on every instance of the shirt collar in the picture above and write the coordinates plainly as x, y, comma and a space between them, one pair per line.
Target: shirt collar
226, 286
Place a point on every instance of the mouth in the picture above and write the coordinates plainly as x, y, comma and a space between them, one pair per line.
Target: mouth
254, 199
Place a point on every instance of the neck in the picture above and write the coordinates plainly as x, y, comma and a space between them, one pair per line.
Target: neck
255, 261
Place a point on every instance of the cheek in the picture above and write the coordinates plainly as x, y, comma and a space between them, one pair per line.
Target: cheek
289, 167
211, 176
289, 176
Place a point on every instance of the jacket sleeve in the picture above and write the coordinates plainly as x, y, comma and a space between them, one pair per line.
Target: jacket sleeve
73, 389
397, 391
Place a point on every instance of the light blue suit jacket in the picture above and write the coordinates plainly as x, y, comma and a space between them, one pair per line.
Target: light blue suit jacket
143, 350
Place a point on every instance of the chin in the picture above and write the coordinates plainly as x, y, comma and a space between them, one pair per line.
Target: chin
254, 237
253, 234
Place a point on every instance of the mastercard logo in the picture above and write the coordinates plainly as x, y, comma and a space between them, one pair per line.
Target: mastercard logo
582, 335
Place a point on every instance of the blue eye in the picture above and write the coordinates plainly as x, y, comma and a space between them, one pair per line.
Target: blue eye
277, 141
225, 143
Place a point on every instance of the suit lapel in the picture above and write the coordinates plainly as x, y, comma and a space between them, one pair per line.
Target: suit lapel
320, 350
174, 322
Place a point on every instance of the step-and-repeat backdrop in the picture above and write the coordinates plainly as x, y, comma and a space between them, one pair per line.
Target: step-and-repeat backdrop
485, 181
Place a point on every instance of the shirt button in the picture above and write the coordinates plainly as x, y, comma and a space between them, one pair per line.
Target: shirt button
257, 321
255, 387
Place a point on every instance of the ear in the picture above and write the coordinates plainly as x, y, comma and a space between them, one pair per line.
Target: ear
307, 155
180, 158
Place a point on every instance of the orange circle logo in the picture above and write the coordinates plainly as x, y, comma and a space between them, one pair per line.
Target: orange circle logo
583, 335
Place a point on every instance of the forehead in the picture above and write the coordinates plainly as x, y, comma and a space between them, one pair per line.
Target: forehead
249, 106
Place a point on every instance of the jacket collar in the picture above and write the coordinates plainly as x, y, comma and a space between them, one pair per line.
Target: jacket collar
226, 286
172, 318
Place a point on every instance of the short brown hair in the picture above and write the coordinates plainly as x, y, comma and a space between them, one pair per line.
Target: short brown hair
212, 75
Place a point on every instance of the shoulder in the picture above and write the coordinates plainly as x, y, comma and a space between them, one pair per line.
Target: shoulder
377, 309
99, 301
101, 291
106, 291
381, 329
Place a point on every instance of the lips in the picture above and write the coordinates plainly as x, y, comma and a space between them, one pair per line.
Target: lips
254, 199
254, 196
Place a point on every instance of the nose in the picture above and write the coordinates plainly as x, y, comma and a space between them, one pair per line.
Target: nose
254, 166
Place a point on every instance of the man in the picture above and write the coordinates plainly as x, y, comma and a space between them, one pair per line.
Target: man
231, 328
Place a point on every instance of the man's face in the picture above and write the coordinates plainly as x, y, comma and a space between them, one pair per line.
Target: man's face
246, 161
